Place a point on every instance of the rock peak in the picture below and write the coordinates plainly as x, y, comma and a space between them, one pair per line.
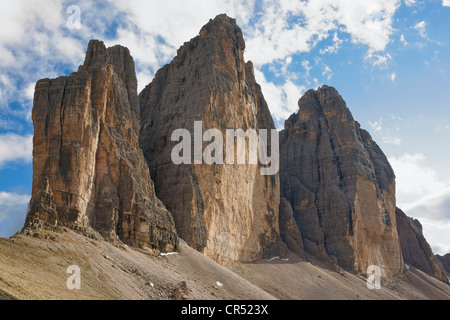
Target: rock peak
323, 102
95, 54
227, 212
325, 96
223, 26
339, 184
89, 173
221, 19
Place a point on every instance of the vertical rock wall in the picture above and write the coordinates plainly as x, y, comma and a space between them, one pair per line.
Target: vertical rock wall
229, 212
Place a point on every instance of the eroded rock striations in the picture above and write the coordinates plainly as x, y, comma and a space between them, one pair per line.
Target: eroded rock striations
416, 250
289, 230
88, 170
340, 186
228, 212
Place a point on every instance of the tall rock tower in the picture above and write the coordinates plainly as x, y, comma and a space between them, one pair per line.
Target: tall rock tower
228, 212
88, 169
340, 186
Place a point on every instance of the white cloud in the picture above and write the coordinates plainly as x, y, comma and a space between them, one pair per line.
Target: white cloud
433, 211
393, 76
15, 148
415, 180
437, 233
13, 210
386, 129
11, 200
446, 3
377, 126
378, 60
421, 27
368, 23
422, 194
403, 40
410, 3
308, 68
34, 43
327, 72
154, 30
392, 140
282, 99
335, 47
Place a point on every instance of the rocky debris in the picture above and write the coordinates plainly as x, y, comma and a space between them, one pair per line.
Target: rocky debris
228, 212
445, 261
181, 292
88, 170
416, 250
340, 186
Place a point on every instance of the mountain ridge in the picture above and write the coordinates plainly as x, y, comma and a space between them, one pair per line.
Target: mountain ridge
102, 168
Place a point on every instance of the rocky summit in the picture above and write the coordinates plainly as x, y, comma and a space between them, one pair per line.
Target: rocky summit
416, 250
229, 211
339, 185
89, 173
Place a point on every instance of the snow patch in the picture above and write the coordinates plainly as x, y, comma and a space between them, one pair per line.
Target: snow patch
168, 254
271, 259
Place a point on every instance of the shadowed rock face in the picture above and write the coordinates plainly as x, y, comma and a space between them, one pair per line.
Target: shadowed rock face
445, 261
289, 230
340, 185
88, 169
416, 250
228, 212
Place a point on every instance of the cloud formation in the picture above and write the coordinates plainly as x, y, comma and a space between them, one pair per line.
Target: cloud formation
422, 194
15, 148
415, 179
153, 31
421, 27
410, 3
13, 209
291, 27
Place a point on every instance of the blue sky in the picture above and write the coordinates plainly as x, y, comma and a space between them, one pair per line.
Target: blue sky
387, 58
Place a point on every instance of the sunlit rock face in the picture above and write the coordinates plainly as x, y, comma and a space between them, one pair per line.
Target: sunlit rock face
88, 169
228, 212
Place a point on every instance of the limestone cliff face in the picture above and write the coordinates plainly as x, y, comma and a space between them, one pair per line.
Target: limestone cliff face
228, 212
340, 186
88, 169
416, 250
